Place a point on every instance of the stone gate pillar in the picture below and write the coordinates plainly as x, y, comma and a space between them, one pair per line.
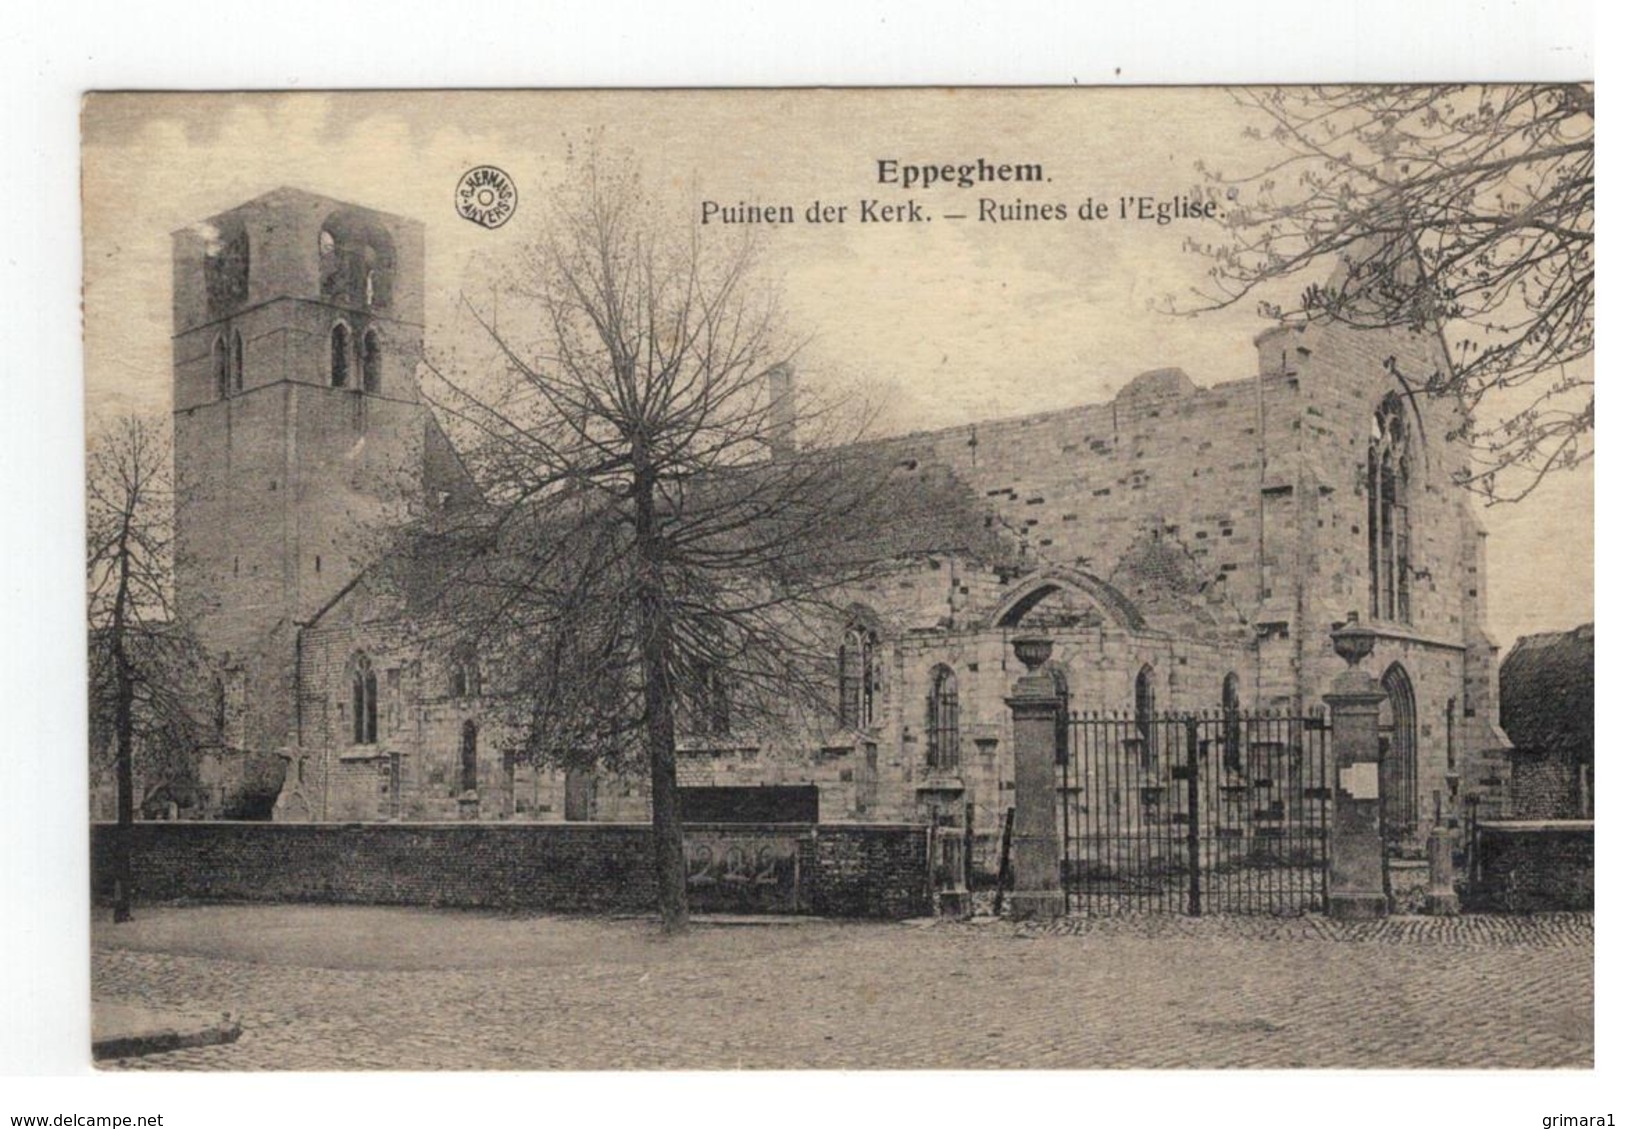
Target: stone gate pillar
1356, 887
1035, 845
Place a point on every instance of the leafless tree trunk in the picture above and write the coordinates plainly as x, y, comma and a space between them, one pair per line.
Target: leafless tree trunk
145, 669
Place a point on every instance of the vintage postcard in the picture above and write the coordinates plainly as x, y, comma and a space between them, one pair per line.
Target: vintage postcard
841, 579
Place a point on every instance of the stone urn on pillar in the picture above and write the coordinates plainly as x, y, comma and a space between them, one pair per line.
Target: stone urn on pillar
1357, 889
1035, 844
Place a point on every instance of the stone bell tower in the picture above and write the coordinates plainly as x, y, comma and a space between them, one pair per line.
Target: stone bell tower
298, 426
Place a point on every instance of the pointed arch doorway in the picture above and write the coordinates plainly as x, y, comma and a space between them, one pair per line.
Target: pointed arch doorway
1396, 742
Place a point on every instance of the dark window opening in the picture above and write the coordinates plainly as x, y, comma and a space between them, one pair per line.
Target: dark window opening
471, 759
712, 708
364, 703
1145, 718
219, 702
357, 261
236, 361
339, 356
942, 721
858, 677
371, 362
222, 368
225, 270
465, 677
1230, 708
1388, 550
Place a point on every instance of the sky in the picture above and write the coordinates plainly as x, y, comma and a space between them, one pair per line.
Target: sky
942, 322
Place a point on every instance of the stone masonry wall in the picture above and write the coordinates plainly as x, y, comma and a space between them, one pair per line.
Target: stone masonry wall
1543, 786
872, 870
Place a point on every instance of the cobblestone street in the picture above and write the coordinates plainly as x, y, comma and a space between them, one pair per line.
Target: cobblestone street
322, 988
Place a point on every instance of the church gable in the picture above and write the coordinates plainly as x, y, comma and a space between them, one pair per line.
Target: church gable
1167, 583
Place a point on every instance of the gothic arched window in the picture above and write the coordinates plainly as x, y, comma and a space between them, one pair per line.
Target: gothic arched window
712, 706
470, 757
942, 721
225, 268
221, 364
372, 361
1145, 717
465, 676
1230, 711
236, 361
339, 355
1388, 513
364, 702
357, 260
858, 675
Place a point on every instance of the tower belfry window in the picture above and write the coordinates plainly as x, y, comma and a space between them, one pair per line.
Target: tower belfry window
357, 260
225, 268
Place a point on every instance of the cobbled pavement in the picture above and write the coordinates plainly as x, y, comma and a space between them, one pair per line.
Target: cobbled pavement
1148, 992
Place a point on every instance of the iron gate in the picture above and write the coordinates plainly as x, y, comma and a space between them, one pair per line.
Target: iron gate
1217, 813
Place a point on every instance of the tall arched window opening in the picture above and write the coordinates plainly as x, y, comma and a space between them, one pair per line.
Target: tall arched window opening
372, 362
364, 702
339, 355
1388, 513
942, 721
1230, 712
1145, 718
221, 365
1396, 743
470, 780
712, 708
236, 361
225, 268
357, 260
858, 676
465, 676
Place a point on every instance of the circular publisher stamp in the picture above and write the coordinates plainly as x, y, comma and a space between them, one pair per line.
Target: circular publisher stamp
486, 196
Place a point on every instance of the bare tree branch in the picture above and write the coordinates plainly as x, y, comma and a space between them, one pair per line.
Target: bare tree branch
1465, 210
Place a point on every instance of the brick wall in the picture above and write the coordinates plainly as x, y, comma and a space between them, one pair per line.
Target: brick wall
1530, 866
868, 870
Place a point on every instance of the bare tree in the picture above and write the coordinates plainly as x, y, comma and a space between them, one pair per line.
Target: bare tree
1462, 209
668, 529
149, 694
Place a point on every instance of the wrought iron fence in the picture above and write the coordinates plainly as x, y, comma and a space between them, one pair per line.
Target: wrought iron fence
1195, 813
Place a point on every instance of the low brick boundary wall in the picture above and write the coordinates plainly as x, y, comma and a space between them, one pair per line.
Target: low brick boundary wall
844, 870
1525, 866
